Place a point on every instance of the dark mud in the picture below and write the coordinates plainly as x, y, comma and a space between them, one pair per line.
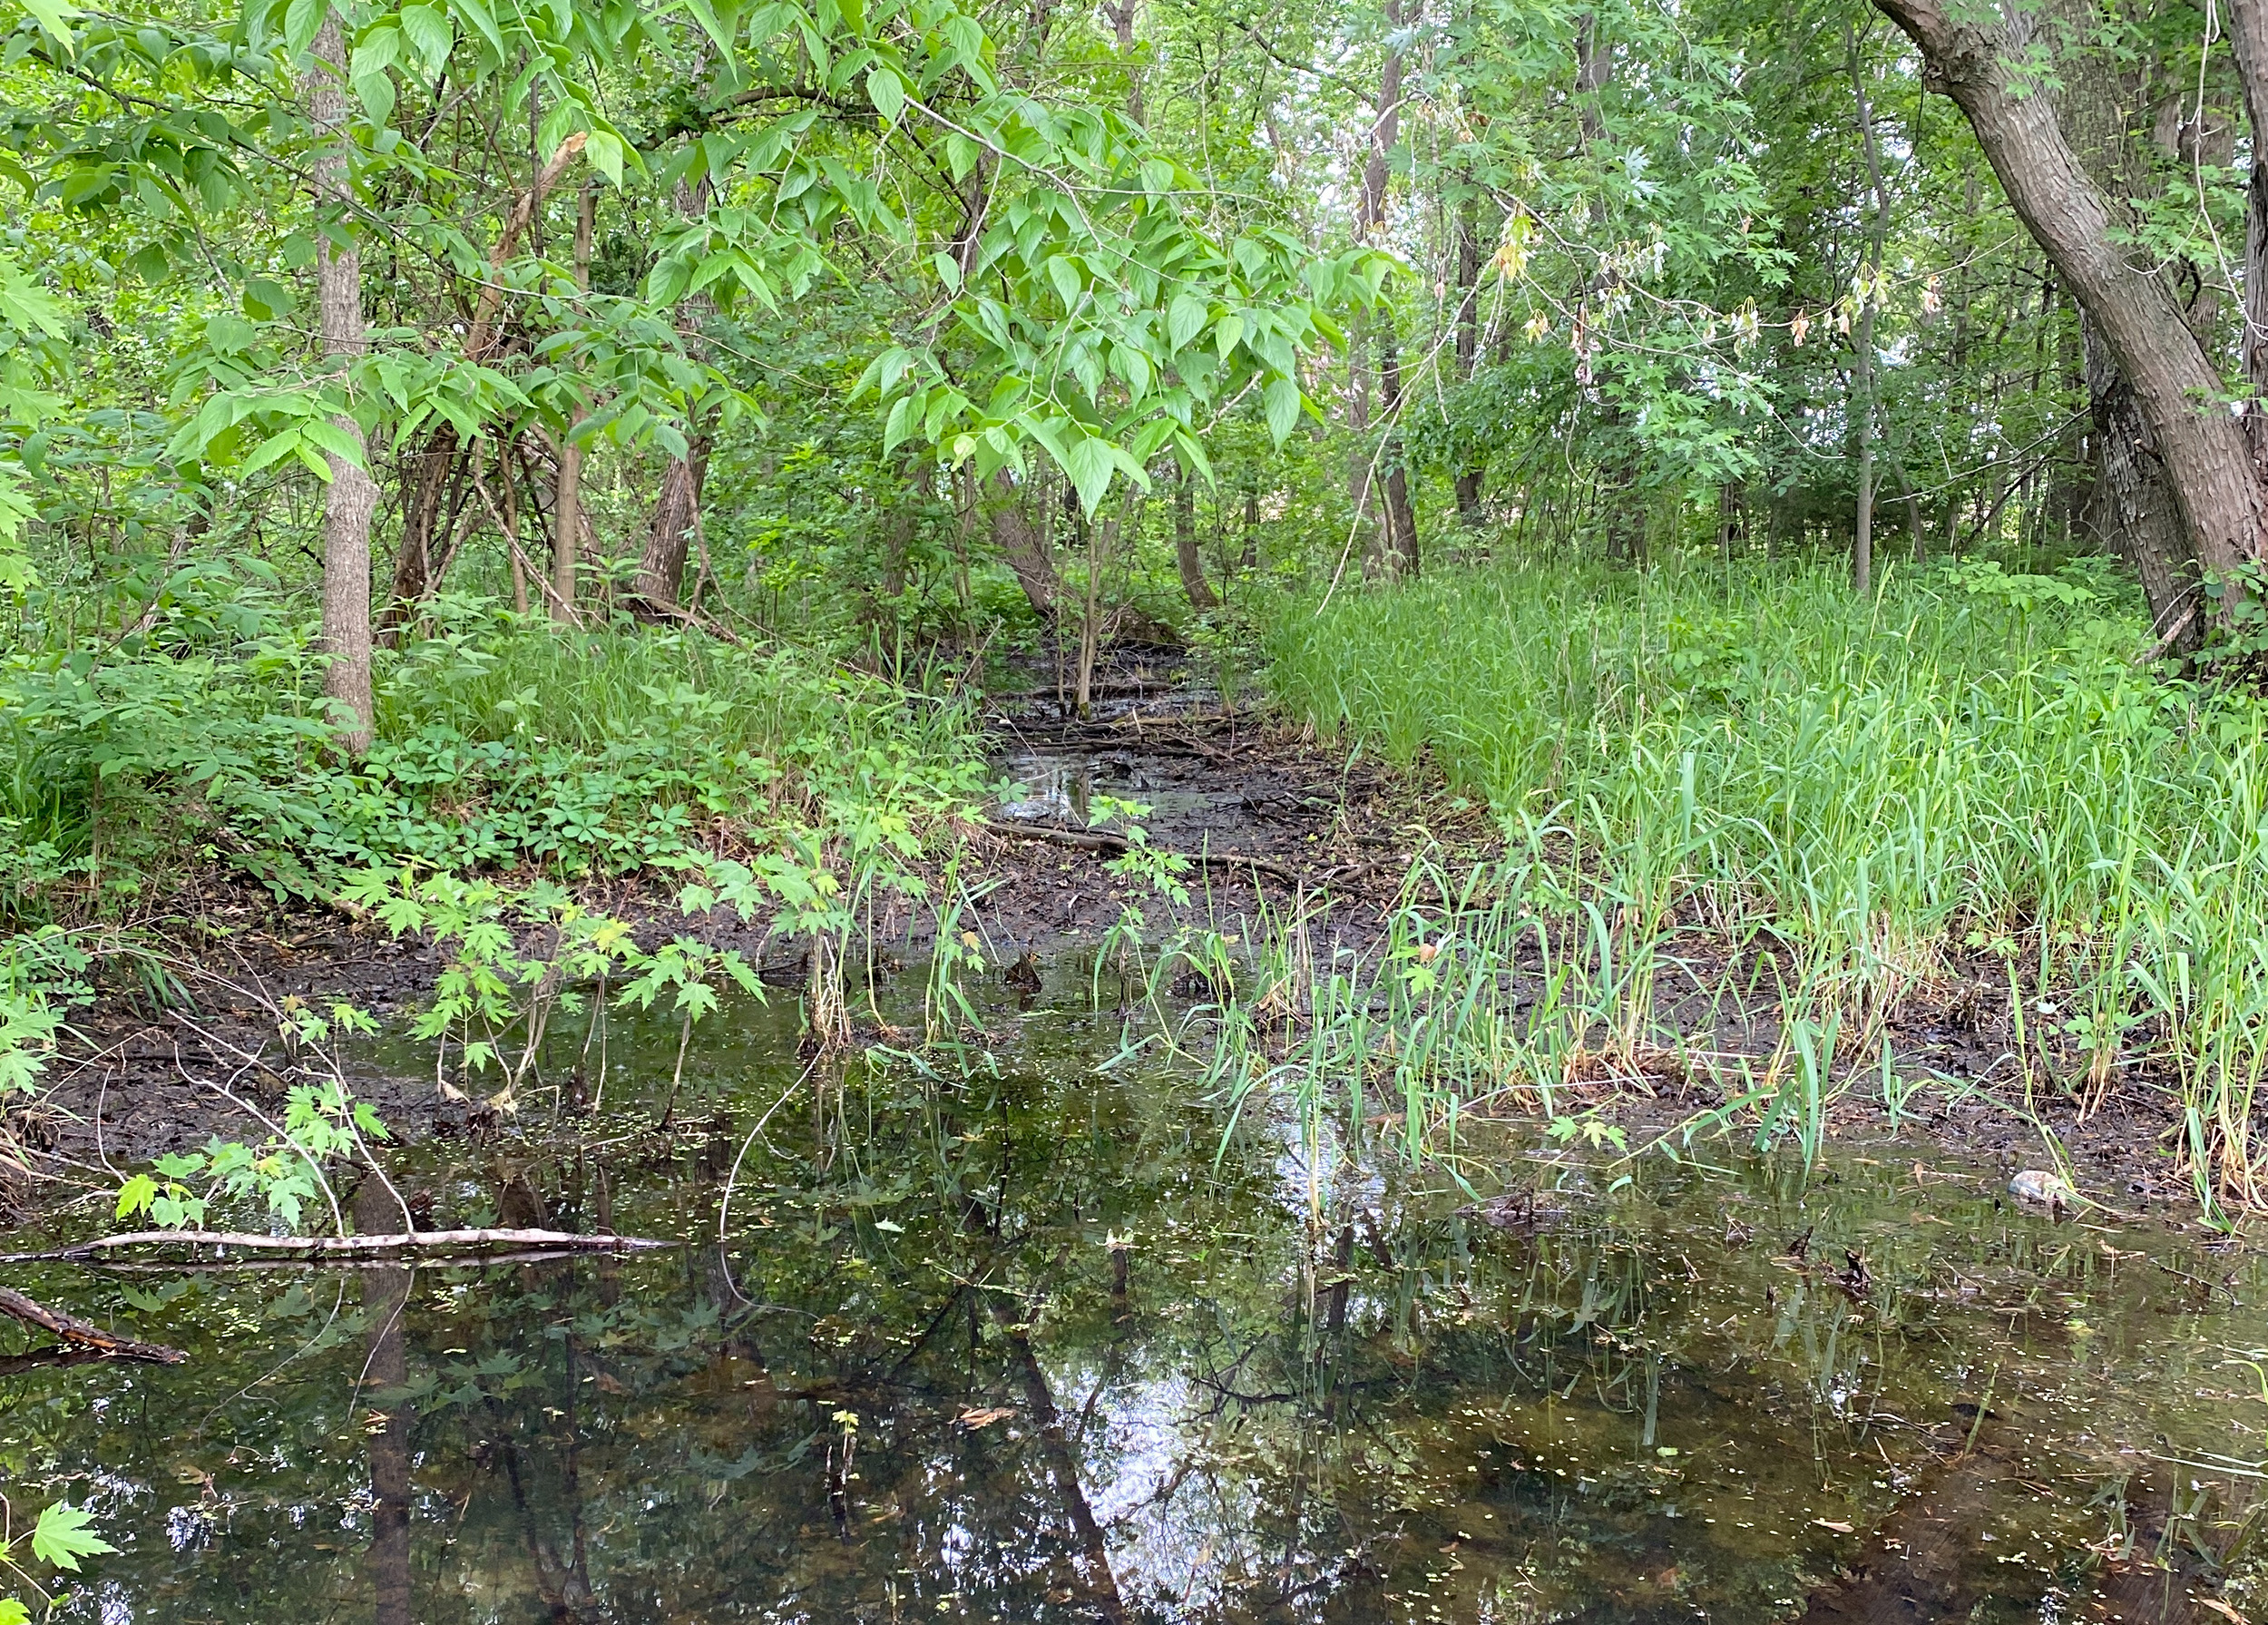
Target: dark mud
1222, 780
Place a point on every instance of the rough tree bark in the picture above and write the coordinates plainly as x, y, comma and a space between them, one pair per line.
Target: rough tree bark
2205, 451
661, 567
2248, 31
1468, 348
567, 497
1023, 541
352, 498
2128, 506
1396, 540
1185, 553
2131, 504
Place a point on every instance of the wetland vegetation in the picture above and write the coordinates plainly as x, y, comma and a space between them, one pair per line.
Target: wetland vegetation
1438, 812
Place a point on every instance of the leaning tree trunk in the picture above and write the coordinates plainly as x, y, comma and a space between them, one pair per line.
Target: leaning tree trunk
2131, 507
352, 499
2207, 459
2248, 30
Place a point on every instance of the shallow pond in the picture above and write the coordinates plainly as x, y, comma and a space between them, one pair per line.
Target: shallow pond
1031, 1341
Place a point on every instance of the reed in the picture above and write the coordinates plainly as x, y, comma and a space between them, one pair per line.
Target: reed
1873, 799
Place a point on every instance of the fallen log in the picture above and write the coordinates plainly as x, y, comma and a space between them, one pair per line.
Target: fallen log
418, 1243
84, 1334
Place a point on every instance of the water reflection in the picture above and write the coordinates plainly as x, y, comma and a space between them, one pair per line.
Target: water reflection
1028, 1344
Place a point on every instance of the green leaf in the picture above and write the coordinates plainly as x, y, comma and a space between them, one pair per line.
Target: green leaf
606, 151
13, 1612
1090, 464
265, 299
55, 18
64, 1535
136, 1195
1186, 318
707, 18
429, 35
887, 91
1281, 398
302, 19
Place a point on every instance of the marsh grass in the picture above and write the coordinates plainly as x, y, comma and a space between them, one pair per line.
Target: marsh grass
1872, 797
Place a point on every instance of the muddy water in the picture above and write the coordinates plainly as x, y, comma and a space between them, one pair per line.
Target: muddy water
1018, 1339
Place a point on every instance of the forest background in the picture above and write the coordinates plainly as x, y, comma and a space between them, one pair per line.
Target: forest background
1799, 464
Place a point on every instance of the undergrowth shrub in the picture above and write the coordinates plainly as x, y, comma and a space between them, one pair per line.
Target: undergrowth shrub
502, 743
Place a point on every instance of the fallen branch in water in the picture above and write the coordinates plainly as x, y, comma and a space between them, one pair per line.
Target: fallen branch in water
84, 1334
1103, 840
421, 1242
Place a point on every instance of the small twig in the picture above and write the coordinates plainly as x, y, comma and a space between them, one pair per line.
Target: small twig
422, 1242
2157, 650
84, 1334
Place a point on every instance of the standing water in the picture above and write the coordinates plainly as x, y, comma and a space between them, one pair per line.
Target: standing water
1011, 1336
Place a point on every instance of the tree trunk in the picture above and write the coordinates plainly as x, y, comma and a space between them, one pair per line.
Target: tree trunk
2132, 512
1469, 352
662, 566
567, 498
352, 498
1402, 540
427, 474
1094, 538
1122, 15
897, 530
1360, 455
1024, 544
2248, 31
1395, 541
1870, 407
1185, 553
2205, 451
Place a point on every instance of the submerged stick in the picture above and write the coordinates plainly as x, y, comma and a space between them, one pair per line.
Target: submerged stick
423, 1242
1102, 840
84, 1334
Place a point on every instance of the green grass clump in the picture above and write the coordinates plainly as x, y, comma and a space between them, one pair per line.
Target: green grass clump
1970, 763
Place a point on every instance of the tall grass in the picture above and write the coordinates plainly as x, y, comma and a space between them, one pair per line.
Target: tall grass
1968, 765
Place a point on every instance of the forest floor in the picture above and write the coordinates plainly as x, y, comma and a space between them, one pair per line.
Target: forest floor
1277, 824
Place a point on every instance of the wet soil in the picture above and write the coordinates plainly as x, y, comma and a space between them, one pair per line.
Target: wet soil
1273, 822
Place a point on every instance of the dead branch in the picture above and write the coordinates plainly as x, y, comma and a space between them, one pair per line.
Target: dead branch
423, 1243
84, 1334
1103, 840
524, 210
